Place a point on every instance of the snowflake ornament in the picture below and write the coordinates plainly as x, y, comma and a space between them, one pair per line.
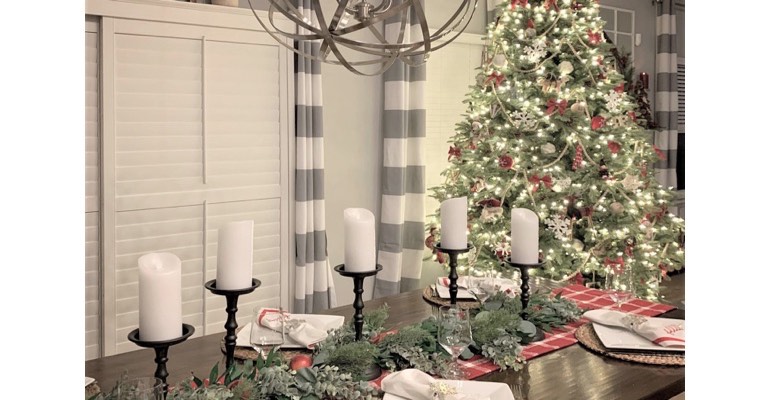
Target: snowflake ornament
614, 99
561, 184
631, 182
523, 119
560, 225
535, 52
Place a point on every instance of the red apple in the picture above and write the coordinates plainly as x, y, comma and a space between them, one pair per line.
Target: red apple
301, 361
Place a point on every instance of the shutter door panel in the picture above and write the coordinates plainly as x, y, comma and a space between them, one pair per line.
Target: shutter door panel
92, 328
92, 197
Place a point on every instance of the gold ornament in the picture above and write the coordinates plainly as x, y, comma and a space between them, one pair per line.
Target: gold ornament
548, 148
578, 107
499, 61
616, 208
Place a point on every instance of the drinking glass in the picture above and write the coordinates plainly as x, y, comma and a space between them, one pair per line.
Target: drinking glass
145, 388
454, 335
268, 330
619, 285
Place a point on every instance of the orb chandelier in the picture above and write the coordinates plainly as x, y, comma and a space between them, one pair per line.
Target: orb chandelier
341, 35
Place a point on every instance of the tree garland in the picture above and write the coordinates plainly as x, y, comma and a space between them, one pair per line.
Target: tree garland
498, 332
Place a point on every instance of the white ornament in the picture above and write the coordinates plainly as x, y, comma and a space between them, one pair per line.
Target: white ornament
490, 214
475, 126
530, 32
565, 68
631, 182
578, 245
579, 107
500, 61
523, 119
535, 52
614, 100
548, 148
560, 226
566, 2
616, 208
561, 184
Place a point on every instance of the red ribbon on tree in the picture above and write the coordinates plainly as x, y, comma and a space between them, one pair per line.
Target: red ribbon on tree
495, 78
617, 264
551, 3
659, 152
530, 24
594, 37
515, 3
454, 151
578, 161
619, 88
597, 122
536, 181
554, 105
632, 115
613, 146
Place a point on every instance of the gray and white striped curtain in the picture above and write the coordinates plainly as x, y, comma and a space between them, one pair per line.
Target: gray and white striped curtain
666, 94
313, 285
402, 216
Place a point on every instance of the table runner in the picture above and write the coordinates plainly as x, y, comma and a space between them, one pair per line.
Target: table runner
559, 338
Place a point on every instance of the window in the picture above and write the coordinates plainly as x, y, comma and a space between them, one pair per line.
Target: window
619, 27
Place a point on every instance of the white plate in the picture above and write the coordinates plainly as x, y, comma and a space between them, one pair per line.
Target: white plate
621, 339
443, 292
325, 322
473, 389
90, 381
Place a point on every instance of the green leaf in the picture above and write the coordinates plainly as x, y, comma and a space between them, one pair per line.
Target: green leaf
308, 375
214, 374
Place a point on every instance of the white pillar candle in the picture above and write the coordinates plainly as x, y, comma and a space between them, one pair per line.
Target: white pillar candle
454, 223
360, 246
525, 243
160, 297
235, 255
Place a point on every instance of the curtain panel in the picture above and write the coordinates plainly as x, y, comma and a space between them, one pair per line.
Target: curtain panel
402, 213
666, 93
313, 284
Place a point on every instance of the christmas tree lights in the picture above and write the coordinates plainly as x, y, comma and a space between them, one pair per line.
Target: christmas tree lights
549, 127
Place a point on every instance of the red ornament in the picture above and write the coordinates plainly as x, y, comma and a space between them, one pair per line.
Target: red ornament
440, 257
663, 269
616, 264
578, 161
553, 105
597, 122
300, 361
659, 152
522, 3
578, 279
551, 3
454, 151
644, 170
495, 78
614, 146
594, 37
505, 161
430, 241
530, 24
576, 6
472, 145
619, 88
632, 115
536, 181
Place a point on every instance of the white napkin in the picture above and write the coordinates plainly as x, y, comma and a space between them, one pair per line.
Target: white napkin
462, 285
299, 330
671, 335
410, 384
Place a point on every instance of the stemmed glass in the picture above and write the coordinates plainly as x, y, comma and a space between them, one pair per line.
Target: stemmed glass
619, 284
454, 335
268, 330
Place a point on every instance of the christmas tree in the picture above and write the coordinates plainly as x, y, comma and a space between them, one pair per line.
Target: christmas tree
550, 127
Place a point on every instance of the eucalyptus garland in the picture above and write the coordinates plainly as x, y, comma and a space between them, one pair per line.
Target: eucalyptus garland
498, 333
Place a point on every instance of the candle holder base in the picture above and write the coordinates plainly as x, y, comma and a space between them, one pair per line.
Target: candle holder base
524, 269
453, 254
231, 295
161, 350
358, 289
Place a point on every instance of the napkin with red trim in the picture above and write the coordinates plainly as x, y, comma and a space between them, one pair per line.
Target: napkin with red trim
671, 335
502, 284
298, 329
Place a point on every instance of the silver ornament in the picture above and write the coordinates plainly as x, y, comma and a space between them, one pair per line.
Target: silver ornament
616, 208
499, 61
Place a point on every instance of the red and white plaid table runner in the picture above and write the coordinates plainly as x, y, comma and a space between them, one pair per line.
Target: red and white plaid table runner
585, 298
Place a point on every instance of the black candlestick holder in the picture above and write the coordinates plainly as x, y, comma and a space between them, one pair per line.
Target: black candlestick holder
161, 350
524, 269
358, 289
453, 253
231, 295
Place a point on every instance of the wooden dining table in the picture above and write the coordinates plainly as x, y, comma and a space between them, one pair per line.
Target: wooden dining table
573, 372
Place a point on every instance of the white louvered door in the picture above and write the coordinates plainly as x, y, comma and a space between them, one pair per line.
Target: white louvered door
195, 136
92, 185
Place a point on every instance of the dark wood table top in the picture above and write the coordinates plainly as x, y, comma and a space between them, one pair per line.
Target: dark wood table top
570, 373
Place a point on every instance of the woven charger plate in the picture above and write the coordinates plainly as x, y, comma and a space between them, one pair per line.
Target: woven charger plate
586, 335
247, 353
427, 294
